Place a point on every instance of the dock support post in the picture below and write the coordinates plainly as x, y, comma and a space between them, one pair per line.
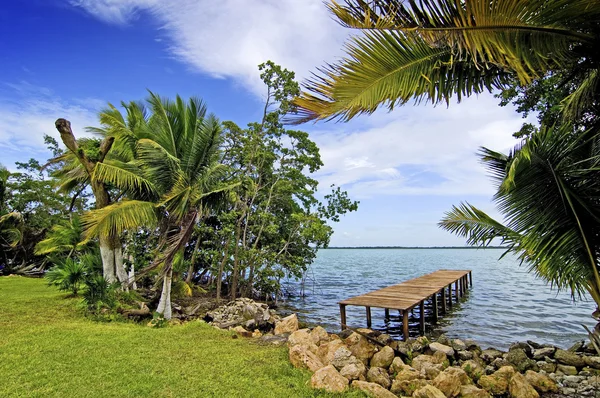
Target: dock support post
450, 296
471, 278
405, 325
466, 282
387, 314
444, 300
456, 291
435, 307
343, 315
422, 318
368, 317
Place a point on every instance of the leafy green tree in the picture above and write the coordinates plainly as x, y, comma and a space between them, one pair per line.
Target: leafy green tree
434, 50
65, 238
177, 166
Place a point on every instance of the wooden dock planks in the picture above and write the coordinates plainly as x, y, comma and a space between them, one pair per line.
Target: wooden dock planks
407, 295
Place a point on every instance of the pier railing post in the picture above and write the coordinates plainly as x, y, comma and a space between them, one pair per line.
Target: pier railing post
405, 325
435, 307
343, 315
368, 317
422, 317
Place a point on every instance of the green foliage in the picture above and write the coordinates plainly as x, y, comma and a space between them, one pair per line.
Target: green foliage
68, 275
64, 239
99, 293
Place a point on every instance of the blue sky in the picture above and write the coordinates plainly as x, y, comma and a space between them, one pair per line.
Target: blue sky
68, 58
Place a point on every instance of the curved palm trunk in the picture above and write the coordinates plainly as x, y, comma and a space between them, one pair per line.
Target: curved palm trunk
164, 305
108, 260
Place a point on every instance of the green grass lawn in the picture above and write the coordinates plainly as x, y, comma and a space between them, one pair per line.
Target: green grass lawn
48, 348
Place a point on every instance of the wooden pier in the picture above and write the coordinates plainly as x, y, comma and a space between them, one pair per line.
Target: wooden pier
405, 296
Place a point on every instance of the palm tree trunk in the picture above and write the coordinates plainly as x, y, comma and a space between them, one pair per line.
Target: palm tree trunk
120, 267
108, 259
164, 305
131, 278
221, 267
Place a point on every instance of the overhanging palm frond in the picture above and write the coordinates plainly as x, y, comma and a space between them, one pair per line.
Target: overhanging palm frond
119, 217
126, 176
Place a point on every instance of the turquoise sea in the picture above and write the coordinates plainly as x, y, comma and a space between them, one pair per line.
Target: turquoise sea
506, 304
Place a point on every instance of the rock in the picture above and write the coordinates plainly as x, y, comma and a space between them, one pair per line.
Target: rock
354, 371
540, 382
566, 370
329, 379
473, 369
302, 358
449, 351
592, 361
241, 312
396, 365
448, 382
408, 373
458, 345
572, 381
270, 339
569, 358
465, 355
540, 353
519, 359
471, 391
289, 324
256, 334
497, 383
318, 335
577, 347
300, 337
379, 376
342, 357
501, 362
406, 387
519, 387
420, 361
443, 339
326, 351
523, 346
428, 392
461, 374
241, 331
431, 371
472, 345
372, 388
440, 357
383, 358
590, 371
490, 354
547, 367
360, 347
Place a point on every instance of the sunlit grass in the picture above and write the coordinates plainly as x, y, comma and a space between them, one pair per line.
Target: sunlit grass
48, 348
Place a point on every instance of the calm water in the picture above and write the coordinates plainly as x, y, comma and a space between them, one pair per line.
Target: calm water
506, 303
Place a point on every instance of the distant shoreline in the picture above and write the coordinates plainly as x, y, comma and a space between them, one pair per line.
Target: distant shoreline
415, 247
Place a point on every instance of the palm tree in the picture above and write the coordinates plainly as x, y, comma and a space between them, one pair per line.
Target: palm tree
432, 50
64, 238
548, 193
173, 179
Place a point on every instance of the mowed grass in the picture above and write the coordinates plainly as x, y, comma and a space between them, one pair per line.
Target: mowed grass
49, 349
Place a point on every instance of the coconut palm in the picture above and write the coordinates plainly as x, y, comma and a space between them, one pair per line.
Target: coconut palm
64, 238
549, 195
173, 179
433, 50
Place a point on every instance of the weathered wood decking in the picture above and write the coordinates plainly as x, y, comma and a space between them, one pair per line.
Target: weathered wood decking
407, 295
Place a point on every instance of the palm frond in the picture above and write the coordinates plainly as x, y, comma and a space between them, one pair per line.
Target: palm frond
126, 176
119, 217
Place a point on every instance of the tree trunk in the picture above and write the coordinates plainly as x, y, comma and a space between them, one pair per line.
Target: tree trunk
221, 267
131, 278
120, 267
164, 305
236, 262
108, 260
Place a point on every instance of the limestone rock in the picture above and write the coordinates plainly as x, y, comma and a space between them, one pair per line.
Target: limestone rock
519, 387
373, 388
461, 374
360, 347
421, 361
543, 352
566, 370
299, 337
431, 371
329, 379
569, 358
458, 345
302, 358
490, 354
471, 391
383, 358
289, 324
354, 371
396, 365
465, 355
439, 357
473, 369
379, 376
522, 346
449, 351
540, 382
497, 383
326, 351
519, 359
407, 373
449, 383
592, 362
547, 367
241, 331
428, 392
319, 335
406, 387
342, 357
240, 312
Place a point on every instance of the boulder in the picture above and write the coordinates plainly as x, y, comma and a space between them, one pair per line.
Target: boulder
461, 374
428, 392
540, 382
522, 346
566, 370
518, 358
373, 389
439, 357
354, 371
577, 347
543, 352
406, 387
431, 371
289, 324
383, 358
318, 335
448, 382
547, 367
490, 354
326, 351
342, 357
240, 312
396, 365
473, 369
497, 383
569, 358
471, 391
592, 361
465, 355
407, 373
241, 331
458, 345
302, 358
301, 337
360, 347
379, 376
449, 351
421, 361
329, 379
519, 387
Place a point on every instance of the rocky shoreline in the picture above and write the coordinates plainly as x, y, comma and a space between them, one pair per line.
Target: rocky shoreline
418, 368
